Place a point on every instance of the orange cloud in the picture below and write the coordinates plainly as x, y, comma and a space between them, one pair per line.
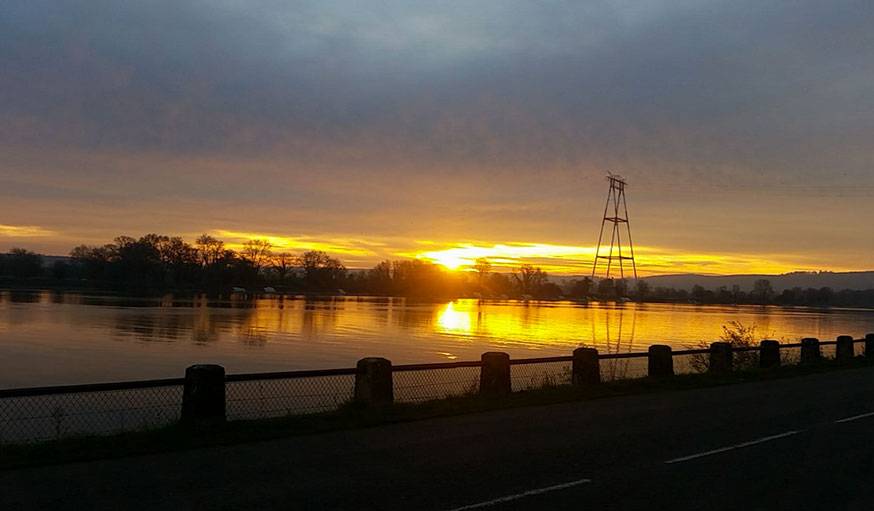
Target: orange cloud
338, 246
24, 231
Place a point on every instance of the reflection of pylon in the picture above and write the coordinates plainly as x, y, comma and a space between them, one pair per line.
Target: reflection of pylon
617, 368
616, 198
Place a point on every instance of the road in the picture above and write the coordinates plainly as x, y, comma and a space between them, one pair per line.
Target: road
800, 443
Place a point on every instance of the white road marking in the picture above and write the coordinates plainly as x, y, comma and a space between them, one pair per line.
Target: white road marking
528, 493
854, 418
733, 447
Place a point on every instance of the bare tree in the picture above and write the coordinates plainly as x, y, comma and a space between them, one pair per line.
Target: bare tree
529, 279
321, 271
483, 267
282, 264
380, 277
209, 249
257, 252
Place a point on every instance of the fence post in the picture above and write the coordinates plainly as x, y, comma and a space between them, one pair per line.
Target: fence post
660, 362
844, 348
810, 353
373, 381
586, 367
494, 376
203, 394
720, 357
869, 346
769, 354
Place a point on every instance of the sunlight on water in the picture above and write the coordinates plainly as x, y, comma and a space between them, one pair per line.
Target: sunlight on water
452, 320
542, 325
54, 338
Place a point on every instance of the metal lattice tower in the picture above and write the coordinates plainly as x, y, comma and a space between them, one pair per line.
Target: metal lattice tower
617, 207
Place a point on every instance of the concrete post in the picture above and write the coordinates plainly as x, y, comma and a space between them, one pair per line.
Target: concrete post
844, 348
769, 354
586, 368
660, 361
810, 353
373, 381
494, 378
720, 357
203, 394
869, 346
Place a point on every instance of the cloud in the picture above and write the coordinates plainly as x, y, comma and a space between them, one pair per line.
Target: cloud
340, 246
688, 83
24, 231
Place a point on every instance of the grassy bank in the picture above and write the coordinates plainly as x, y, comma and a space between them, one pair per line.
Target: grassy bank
352, 417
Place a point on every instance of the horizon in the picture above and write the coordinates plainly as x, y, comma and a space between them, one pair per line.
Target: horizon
563, 276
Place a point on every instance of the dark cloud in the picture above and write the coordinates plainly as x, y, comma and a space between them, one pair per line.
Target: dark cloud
456, 79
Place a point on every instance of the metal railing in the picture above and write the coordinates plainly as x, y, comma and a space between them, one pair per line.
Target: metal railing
48, 413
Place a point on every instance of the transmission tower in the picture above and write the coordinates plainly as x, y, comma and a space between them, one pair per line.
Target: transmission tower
616, 213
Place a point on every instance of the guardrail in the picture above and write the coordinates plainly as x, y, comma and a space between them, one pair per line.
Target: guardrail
206, 393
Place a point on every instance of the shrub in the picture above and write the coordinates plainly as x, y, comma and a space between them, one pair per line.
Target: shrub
739, 336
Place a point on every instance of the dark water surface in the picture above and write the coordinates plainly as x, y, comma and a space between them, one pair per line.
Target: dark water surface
49, 338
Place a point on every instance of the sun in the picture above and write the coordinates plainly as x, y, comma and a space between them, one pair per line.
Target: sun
450, 261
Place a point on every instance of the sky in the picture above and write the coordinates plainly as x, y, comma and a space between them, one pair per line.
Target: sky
393, 129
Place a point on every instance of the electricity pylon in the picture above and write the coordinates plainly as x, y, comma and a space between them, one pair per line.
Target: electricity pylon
616, 198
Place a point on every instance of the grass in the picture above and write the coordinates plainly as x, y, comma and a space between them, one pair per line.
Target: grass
354, 416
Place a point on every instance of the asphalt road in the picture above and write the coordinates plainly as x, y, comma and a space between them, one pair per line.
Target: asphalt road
801, 443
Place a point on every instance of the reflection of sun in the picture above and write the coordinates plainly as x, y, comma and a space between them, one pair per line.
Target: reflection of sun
451, 320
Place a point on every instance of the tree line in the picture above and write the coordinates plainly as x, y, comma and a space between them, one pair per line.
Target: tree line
157, 263
762, 293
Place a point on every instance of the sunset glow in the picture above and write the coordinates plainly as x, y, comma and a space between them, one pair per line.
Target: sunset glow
564, 259
361, 253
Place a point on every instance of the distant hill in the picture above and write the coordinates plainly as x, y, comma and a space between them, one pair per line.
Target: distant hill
834, 280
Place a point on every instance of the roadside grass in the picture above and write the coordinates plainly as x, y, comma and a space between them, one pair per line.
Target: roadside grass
355, 416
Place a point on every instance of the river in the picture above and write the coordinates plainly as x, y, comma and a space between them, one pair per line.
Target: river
49, 338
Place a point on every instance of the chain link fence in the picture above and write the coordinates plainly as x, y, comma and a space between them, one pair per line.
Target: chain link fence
623, 367
790, 354
39, 417
420, 383
254, 396
51, 413
540, 373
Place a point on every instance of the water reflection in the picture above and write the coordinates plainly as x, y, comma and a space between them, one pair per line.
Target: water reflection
51, 337
454, 321
613, 340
